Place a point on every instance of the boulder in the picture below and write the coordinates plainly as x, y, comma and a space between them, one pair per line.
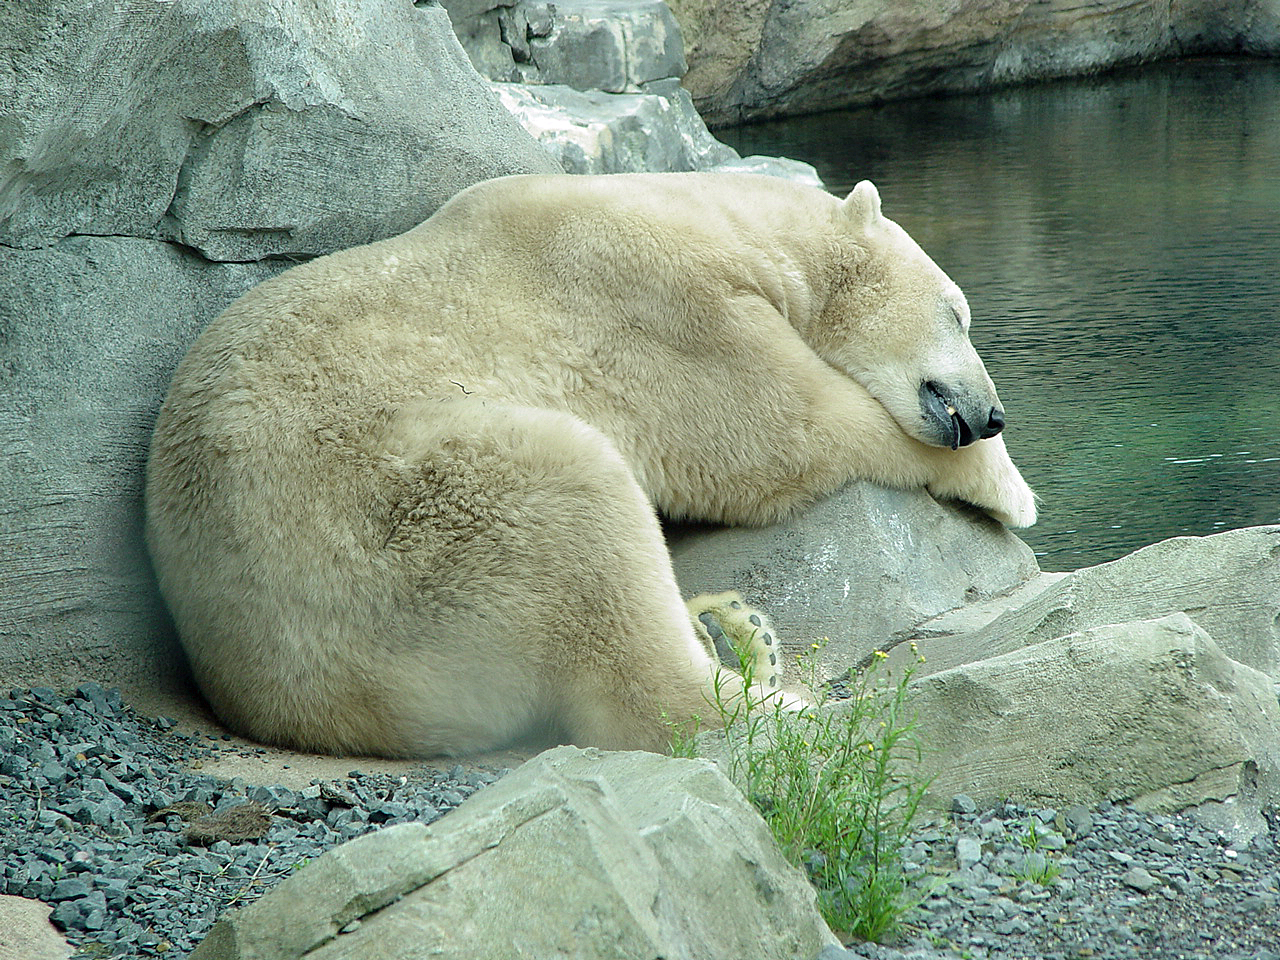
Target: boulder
92, 328
577, 854
755, 59
857, 569
27, 934
1152, 712
1228, 584
242, 129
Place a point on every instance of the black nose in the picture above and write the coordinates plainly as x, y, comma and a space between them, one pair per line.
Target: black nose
995, 423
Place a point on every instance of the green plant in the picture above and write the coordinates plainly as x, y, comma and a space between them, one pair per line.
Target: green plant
1031, 838
828, 780
684, 735
1036, 866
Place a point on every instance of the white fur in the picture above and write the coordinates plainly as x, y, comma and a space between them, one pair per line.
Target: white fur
401, 499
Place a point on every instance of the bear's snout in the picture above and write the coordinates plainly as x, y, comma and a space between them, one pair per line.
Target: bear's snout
957, 422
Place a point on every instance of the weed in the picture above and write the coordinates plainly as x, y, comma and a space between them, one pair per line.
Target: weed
1036, 866
827, 780
684, 735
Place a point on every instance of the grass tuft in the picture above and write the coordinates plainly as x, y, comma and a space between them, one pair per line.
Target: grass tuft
829, 781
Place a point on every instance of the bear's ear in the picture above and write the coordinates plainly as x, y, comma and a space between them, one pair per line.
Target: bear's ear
862, 206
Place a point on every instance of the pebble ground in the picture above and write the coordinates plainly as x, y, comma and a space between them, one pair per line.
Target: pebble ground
138, 855
1013, 883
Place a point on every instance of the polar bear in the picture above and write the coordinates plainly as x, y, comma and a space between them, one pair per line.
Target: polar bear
401, 499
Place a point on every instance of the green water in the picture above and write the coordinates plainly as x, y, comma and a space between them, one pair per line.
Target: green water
1119, 242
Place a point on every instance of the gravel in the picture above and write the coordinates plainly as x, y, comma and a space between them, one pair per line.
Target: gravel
1108, 883
106, 821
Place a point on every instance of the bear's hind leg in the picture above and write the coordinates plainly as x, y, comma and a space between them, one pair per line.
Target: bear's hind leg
730, 629
536, 563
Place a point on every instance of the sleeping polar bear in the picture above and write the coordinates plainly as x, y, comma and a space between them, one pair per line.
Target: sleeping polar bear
401, 499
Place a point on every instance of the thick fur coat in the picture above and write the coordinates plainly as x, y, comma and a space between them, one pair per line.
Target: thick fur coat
401, 499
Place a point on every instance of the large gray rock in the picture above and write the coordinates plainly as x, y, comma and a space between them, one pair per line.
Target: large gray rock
606, 45
1152, 712
856, 569
91, 329
1229, 584
577, 854
241, 128
27, 934
757, 59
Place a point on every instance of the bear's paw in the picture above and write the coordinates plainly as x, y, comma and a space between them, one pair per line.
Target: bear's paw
731, 631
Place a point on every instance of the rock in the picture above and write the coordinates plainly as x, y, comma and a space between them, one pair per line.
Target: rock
1152, 712
594, 854
593, 132
368, 106
584, 44
598, 85
753, 60
783, 167
95, 327
857, 568
27, 934
968, 852
1226, 583
307, 128
1139, 879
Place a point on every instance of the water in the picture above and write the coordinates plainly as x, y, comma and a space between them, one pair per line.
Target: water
1119, 242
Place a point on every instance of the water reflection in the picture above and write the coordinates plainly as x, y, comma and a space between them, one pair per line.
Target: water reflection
1119, 241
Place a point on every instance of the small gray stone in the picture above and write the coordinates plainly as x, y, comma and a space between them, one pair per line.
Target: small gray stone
963, 804
1140, 880
1052, 841
968, 852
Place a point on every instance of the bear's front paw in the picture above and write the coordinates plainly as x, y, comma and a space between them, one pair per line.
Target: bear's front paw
984, 475
1016, 506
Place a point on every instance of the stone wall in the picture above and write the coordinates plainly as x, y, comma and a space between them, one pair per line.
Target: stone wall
756, 59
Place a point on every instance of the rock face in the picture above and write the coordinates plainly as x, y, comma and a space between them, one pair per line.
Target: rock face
576, 854
584, 44
598, 84
231, 164
94, 327
758, 59
857, 568
240, 131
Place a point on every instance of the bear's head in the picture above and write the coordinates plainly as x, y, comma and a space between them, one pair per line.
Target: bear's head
899, 326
